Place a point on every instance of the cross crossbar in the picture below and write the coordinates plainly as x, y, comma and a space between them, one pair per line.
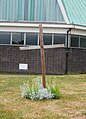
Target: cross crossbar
38, 47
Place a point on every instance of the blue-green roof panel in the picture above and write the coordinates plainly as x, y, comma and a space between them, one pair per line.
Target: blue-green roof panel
76, 11
31, 10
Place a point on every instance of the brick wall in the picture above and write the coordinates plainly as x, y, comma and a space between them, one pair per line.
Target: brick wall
11, 56
77, 60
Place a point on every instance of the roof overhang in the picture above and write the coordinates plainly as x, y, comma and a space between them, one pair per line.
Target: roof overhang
61, 25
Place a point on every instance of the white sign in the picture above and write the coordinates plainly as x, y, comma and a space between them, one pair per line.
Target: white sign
23, 66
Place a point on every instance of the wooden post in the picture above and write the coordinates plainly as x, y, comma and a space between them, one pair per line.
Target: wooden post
42, 56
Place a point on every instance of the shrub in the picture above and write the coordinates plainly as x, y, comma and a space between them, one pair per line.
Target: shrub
55, 91
37, 92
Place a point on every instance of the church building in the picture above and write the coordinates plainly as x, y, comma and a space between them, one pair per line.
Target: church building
64, 36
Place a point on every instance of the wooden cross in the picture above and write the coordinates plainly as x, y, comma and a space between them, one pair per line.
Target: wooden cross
42, 47
42, 56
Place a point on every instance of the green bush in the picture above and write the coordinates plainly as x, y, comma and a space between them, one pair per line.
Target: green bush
55, 91
36, 91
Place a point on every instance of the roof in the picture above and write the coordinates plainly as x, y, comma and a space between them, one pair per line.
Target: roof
76, 11
44, 11
31, 10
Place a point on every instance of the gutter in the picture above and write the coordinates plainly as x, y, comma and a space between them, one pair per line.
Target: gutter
67, 52
62, 25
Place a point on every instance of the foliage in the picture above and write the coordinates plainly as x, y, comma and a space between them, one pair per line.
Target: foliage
84, 113
55, 91
38, 92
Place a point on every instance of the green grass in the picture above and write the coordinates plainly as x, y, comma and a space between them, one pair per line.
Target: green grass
71, 105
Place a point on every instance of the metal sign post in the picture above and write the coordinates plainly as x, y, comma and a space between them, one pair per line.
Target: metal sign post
42, 56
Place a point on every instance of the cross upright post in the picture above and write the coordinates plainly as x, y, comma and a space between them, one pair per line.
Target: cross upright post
42, 56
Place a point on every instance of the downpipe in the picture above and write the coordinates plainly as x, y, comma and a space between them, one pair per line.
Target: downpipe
67, 52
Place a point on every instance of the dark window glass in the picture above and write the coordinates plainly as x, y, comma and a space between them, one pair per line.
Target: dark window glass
18, 38
74, 41
83, 42
31, 39
5, 38
59, 39
47, 39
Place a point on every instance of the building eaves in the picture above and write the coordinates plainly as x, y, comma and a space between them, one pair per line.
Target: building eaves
55, 25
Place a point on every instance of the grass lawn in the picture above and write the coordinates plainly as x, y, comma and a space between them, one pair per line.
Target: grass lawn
71, 105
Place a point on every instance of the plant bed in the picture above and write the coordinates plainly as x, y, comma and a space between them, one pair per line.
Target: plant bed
37, 92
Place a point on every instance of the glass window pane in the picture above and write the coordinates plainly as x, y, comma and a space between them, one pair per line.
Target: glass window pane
5, 38
31, 39
59, 39
83, 42
74, 41
18, 38
47, 38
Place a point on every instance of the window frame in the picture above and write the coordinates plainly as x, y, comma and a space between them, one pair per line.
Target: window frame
17, 44
51, 39
32, 33
61, 35
78, 41
10, 37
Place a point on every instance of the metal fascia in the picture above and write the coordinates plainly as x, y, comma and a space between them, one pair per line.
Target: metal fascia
36, 25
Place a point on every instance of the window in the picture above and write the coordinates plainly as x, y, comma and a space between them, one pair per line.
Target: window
59, 39
74, 41
31, 39
18, 38
5, 38
47, 38
83, 42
